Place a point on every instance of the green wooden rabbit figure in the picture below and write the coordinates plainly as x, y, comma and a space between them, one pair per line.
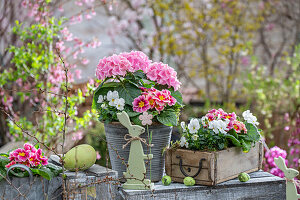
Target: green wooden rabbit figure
290, 174
136, 170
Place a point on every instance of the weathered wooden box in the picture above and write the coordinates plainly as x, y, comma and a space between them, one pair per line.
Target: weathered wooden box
211, 168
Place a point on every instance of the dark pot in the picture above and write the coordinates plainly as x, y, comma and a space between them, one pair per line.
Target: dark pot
161, 136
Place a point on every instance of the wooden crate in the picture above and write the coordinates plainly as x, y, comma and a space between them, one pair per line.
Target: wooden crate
216, 167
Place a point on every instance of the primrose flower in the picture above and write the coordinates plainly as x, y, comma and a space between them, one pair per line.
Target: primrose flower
10, 164
111, 97
29, 147
21, 155
194, 126
183, 126
239, 126
195, 137
100, 99
140, 104
119, 103
250, 118
183, 142
161, 98
146, 118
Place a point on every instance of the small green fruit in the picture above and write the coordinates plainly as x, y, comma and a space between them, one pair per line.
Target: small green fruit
244, 177
80, 157
166, 180
189, 181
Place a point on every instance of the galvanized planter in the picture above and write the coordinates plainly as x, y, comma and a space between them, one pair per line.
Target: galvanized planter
30, 188
161, 136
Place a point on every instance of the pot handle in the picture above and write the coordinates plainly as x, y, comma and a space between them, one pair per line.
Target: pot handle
20, 166
189, 169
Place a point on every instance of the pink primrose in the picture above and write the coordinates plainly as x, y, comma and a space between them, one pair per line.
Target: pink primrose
161, 98
21, 155
151, 101
10, 164
140, 104
29, 147
239, 126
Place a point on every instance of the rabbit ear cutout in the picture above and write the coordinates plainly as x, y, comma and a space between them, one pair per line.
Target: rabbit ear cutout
280, 163
124, 119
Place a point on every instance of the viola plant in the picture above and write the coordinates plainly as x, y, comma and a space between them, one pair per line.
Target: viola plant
146, 90
30, 156
218, 130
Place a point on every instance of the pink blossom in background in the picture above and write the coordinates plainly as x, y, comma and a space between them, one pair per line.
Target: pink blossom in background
245, 61
270, 26
98, 155
77, 136
78, 73
60, 45
85, 61
88, 16
78, 3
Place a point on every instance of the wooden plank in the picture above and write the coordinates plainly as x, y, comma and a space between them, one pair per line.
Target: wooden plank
191, 158
203, 175
234, 176
232, 161
198, 182
256, 188
168, 162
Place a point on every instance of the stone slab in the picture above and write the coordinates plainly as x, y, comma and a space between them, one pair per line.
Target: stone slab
261, 186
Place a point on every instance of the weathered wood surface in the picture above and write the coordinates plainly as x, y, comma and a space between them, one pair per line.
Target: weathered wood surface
218, 166
42, 189
261, 186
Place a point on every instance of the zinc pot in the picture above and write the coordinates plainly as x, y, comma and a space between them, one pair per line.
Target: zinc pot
161, 136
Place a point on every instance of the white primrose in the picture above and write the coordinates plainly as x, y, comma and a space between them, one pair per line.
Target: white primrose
100, 99
218, 126
183, 142
195, 137
111, 97
120, 103
183, 126
194, 126
204, 120
251, 119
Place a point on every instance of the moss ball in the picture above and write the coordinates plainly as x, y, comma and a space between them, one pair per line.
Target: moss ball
244, 177
189, 181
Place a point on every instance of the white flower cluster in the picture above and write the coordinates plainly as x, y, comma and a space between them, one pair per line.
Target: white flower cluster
219, 126
251, 119
113, 100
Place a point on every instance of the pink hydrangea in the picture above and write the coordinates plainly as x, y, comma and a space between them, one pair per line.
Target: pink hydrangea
112, 66
269, 164
138, 60
163, 74
140, 104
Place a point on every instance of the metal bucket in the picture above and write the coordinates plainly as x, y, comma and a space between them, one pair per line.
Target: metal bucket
30, 188
161, 136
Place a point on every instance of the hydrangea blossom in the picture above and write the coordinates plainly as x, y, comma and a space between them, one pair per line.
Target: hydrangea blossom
119, 65
269, 163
